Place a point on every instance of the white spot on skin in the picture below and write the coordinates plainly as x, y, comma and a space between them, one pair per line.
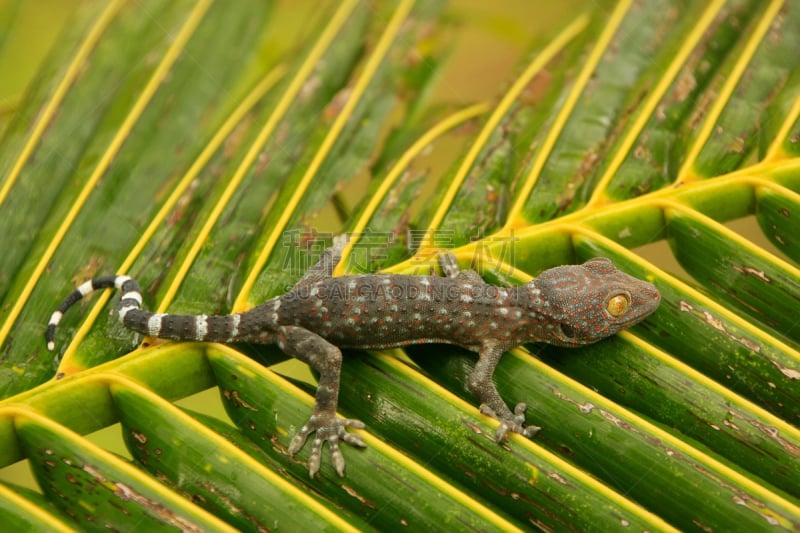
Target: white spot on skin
201, 327
55, 318
442, 311
153, 323
119, 281
466, 298
467, 314
314, 291
124, 311
503, 311
85, 288
235, 326
132, 296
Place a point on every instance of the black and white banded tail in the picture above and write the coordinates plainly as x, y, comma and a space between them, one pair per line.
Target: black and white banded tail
225, 328
131, 299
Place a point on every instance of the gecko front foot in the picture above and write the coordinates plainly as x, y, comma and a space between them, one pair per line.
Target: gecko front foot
330, 428
511, 422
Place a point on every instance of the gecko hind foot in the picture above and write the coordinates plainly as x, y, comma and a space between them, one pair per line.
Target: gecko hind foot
514, 423
332, 429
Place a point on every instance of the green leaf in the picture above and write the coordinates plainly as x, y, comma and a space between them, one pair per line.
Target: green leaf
211, 149
97, 489
202, 465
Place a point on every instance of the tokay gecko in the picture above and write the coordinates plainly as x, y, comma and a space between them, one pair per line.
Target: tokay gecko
568, 305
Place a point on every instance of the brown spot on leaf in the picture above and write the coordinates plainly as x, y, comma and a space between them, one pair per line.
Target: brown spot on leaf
334, 108
738, 145
750, 271
791, 373
684, 86
558, 478
87, 271
536, 88
236, 400
717, 324
358, 496
641, 153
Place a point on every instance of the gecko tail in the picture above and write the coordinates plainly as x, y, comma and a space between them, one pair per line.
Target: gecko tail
131, 299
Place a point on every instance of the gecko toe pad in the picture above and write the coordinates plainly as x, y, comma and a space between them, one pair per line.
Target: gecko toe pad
328, 428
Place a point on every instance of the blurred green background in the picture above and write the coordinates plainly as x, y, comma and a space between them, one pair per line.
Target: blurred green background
491, 37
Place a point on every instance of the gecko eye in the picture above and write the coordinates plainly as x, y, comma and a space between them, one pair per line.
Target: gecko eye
618, 304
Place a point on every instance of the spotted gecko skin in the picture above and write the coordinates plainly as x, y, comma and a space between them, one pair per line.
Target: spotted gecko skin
569, 306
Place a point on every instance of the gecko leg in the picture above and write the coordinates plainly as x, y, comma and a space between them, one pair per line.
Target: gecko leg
480, 380
326, 359
450, 269
480, 384
327, 262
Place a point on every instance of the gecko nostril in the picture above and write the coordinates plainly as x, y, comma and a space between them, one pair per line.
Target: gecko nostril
568, 331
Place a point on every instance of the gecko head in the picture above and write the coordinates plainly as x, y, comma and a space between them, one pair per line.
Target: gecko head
582, 304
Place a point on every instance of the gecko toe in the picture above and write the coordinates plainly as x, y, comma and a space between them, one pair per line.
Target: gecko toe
354, 440
530, 431
299, 440
330, 429
337, 459
315, 457
514, 423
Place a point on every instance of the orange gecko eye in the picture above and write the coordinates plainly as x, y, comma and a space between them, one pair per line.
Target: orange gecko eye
617, 305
